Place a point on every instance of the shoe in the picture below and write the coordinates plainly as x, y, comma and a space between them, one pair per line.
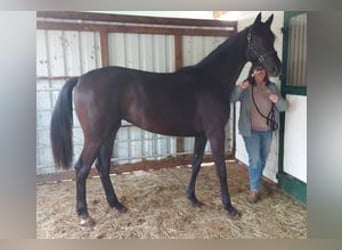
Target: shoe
253, 197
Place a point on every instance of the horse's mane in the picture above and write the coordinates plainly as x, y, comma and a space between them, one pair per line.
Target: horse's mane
223, 48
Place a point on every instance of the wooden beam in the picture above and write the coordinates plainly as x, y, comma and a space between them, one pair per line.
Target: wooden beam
104, 48
179, 64
143, 165
134, 19
53, 25
178, 51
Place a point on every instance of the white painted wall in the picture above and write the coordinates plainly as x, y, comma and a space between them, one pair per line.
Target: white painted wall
295, 137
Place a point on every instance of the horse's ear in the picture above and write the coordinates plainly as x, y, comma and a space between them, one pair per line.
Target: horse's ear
269, 21
258, 19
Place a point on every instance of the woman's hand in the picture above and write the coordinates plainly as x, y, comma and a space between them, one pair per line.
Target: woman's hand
274, 98
244, 84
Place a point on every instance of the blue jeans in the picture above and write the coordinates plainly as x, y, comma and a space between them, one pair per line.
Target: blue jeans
258, 146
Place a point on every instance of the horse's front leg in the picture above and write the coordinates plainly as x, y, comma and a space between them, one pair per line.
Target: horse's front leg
216, 138
200, 142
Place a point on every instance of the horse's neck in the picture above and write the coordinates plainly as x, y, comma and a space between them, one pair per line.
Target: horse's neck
226, 62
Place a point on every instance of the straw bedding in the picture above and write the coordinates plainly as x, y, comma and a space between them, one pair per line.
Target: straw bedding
158, 209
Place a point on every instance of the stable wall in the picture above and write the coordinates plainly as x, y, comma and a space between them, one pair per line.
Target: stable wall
72, 43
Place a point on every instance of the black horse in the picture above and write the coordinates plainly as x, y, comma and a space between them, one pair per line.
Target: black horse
193, 101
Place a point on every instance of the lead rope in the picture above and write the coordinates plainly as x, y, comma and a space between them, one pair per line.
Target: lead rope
270, 118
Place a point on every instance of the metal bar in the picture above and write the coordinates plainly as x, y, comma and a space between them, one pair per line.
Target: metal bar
64, 52
48, 59
55, 78
80, 51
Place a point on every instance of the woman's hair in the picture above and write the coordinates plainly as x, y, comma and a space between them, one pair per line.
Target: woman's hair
251, 78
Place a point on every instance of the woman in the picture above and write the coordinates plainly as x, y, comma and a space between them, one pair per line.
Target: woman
261, 103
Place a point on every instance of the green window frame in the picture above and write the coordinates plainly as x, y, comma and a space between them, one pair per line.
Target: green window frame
294, 53
294, 59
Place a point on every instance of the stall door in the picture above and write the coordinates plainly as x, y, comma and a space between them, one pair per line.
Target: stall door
293, 165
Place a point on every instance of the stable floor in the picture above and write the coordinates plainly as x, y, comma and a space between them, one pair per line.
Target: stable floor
158, 208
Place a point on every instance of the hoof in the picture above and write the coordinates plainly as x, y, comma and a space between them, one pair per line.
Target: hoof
234, 214
195, 203
121, 209
87, 222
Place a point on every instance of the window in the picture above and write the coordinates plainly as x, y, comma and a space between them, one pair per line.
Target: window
295, 52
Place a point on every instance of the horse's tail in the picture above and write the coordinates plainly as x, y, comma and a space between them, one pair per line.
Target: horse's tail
61, 126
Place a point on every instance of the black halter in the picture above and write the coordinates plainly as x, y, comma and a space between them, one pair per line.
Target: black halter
251, 50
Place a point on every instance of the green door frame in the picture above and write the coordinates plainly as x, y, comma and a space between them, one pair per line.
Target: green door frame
289, 184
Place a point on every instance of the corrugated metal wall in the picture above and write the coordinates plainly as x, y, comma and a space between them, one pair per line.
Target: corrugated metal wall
60, 54
63, 54
151, 53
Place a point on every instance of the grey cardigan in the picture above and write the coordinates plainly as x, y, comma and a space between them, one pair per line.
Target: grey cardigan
245, 97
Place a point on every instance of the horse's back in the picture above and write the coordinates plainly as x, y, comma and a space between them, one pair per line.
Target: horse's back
164, 103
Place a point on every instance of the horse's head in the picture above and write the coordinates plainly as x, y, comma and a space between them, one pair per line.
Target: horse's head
260, 49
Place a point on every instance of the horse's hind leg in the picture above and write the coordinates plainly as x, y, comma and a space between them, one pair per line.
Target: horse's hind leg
82, 168
200, 142
103, 166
